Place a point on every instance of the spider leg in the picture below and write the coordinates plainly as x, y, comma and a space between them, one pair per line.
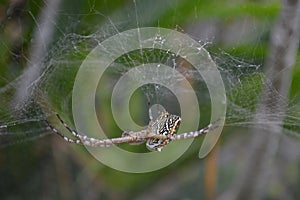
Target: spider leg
137, 137
77, 141
194, 134
127, 137
74, 133
84, 139
81, 139
140, 136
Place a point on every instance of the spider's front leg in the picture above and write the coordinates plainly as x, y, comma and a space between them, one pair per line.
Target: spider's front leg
137, 137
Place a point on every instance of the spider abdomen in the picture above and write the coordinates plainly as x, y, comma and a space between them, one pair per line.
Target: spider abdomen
166, 125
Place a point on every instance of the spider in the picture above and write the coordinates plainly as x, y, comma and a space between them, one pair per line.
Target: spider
159, 133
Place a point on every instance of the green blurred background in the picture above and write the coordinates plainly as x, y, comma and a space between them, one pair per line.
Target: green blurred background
236, 33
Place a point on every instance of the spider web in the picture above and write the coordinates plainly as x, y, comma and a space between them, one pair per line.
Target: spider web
50, 92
